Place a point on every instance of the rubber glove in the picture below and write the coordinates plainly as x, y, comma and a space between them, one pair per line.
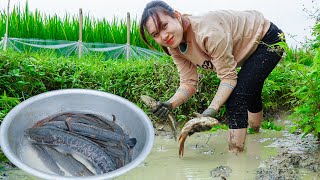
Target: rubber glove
163, 109
209, 112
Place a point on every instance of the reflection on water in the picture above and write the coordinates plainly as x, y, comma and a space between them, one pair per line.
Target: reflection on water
30, 157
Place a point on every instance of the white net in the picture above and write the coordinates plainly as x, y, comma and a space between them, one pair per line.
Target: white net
69, 48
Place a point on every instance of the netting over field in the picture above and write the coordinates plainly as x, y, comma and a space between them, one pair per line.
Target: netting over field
69, 48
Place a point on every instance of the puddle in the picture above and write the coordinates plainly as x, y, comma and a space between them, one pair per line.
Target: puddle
206, 157
203, 153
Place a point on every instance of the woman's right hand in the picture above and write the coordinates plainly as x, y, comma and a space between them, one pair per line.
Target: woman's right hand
162, 109
209, 112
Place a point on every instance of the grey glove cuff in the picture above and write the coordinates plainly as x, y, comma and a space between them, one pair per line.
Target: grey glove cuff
209, 112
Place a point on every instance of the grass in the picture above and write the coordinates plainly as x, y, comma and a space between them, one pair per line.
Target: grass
28, 74
26, 24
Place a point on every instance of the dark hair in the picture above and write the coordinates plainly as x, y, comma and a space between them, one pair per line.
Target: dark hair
153, 9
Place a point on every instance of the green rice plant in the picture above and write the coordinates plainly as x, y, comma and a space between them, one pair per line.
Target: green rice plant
26, 24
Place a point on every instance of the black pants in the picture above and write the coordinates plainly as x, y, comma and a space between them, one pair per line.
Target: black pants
246, 96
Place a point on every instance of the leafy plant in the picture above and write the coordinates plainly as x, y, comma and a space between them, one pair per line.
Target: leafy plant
217, 127
27, 74
3, 159
305, 72
6, 104
270, 125
266, 124
307, 90
251, 131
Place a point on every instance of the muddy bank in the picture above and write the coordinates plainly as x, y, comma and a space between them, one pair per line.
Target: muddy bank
298, 156
289, 166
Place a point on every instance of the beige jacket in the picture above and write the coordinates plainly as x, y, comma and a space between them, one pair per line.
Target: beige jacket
219, 41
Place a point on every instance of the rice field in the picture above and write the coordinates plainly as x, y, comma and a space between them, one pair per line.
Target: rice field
24, 23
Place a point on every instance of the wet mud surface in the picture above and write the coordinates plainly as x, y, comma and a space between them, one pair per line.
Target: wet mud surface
221, 172
269, 155
298, 156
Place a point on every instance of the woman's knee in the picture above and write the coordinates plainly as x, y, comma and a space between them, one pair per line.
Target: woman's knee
237, 111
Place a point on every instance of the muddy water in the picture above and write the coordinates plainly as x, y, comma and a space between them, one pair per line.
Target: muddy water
203, 153
206, 157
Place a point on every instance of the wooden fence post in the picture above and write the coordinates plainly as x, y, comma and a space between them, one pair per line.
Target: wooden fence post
128, 35
80, 32
5, 40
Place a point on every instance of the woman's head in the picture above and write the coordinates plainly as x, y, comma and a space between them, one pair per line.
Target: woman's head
163, 23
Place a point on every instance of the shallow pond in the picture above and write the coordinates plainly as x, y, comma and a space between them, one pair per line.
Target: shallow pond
206, 157
203, 153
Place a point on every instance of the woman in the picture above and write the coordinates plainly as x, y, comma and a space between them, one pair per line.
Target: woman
219, 41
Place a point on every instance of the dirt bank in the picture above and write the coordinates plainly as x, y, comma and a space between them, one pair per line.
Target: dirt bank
297, 157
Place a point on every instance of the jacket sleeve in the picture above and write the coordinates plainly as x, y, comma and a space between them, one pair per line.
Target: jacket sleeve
188, 75
219, 47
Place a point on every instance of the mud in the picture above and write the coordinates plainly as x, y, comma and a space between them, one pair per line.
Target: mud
268, 155
296, 154
288, 166
297, 157
221, 172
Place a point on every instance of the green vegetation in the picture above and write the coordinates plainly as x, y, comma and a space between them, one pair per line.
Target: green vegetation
306, 86
267, 123
3, 159
6, 104
294, 85
217, 127
26, 74
27, 24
